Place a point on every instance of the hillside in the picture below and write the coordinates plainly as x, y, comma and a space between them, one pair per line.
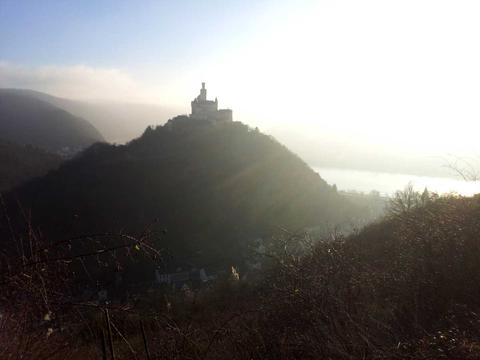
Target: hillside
27, 120
211, 187
118, 122
402, 288
22, 163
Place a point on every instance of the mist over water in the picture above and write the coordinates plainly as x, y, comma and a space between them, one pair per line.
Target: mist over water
387, 183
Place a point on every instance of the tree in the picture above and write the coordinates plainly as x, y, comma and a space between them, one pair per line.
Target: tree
404, 201
466, 168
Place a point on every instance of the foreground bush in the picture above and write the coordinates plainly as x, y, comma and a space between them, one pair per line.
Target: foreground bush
404, 288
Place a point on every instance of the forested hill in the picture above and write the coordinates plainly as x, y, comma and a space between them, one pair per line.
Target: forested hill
118, 122
21, 163
211, 187
26, 120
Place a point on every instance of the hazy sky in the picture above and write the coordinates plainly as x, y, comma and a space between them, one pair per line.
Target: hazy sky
397, 75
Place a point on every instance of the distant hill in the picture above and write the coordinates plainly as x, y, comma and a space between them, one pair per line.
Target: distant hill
212, 187
118, 122
21, 163
27, 120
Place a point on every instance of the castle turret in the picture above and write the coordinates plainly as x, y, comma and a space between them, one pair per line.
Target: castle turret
203, 93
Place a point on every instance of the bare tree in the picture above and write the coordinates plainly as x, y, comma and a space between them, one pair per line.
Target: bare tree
466, 168
403, 201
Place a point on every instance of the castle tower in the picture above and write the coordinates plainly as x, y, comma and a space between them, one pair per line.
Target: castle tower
203, 93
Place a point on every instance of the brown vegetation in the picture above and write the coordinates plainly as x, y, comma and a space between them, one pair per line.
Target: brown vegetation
403, 288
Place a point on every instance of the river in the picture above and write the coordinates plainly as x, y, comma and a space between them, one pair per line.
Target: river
388, 183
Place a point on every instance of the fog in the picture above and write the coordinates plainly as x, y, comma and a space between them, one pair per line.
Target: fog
347, 84
273, 179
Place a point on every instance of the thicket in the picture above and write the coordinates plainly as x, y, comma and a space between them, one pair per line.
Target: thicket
404, 288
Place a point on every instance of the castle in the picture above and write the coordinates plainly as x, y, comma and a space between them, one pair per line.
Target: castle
203, 109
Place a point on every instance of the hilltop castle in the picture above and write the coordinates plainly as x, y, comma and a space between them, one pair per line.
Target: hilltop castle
204, 109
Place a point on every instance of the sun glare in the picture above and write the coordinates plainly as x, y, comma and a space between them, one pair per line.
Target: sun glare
398, 80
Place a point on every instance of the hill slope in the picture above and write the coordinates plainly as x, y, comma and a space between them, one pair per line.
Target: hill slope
22, 163
118, 122
211, 187
27, 120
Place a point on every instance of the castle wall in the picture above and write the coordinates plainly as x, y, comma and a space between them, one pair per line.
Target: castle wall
224, 115
204, 110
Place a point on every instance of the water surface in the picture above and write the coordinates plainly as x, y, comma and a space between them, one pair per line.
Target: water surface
387, 183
